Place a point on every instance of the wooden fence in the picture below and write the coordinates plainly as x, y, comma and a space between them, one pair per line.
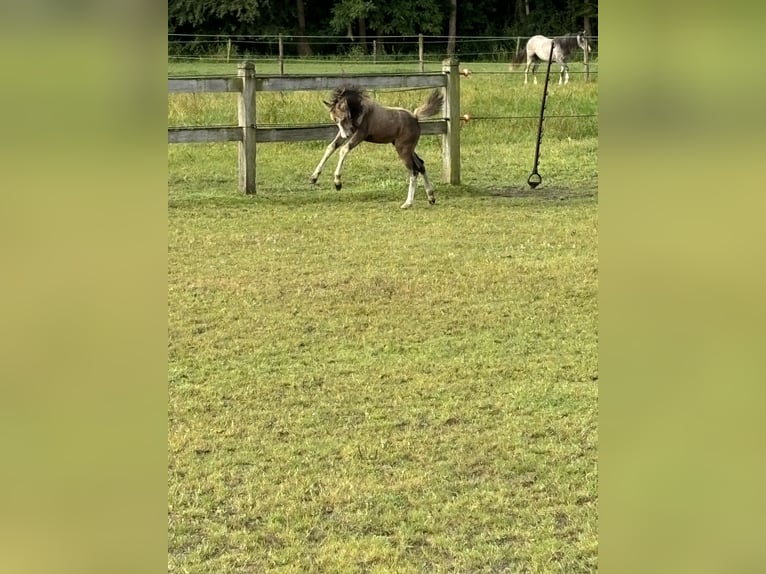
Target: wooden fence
248, 134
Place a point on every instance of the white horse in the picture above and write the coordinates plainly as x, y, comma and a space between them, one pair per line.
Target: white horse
538, 50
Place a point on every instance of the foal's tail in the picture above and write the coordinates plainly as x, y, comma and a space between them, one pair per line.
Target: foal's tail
431, 107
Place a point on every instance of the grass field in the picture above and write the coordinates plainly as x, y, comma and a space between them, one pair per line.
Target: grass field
359, 388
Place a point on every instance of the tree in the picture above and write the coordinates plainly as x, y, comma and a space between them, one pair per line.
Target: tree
588, 11
304, 48
230, 16
405, 17
347, 12
408, 17
380, 19
452, 28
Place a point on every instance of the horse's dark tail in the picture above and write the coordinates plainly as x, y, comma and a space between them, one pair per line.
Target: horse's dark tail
431, 107
418, 163
518, 58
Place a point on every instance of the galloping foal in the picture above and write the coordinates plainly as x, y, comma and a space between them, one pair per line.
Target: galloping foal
359, 118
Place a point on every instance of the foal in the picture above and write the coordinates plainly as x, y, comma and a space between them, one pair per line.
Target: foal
359, 118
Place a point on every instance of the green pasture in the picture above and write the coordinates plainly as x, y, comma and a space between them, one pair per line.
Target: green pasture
359, 388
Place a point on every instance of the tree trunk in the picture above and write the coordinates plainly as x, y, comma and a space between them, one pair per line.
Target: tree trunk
452, 28
586, 26
363, 33
304, 48
380, 48
518, 10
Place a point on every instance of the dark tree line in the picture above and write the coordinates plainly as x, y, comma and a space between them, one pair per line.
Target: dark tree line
361, 21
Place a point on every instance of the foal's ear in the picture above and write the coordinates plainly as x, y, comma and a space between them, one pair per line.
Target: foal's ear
328, 104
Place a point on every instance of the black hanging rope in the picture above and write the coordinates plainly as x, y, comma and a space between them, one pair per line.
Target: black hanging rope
534, 178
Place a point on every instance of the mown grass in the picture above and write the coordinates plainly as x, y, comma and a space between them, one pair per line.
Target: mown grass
357, 388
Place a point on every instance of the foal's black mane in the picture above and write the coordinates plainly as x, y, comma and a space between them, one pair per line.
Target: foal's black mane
354, 96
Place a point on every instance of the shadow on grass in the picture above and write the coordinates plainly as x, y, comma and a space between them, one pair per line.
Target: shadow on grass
543, 192
301, 196
231, 198
520, 192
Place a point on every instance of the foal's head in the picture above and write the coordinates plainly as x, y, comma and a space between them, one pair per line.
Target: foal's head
346, 108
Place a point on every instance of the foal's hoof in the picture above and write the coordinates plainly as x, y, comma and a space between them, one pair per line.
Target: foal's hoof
338, 186
431, 200
313, 180
405, 205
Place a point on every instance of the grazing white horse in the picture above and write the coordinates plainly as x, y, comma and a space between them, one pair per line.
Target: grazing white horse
538, 49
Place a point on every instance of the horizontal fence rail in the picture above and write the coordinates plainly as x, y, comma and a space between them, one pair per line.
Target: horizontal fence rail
329, 82
204, 134
276, 134
196, 85
248, 134
305, 82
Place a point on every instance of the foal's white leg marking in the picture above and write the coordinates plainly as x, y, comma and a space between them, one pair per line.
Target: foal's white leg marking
327, 153
344, 149
429, 189
410, 192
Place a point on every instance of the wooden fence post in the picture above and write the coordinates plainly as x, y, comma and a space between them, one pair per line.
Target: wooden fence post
246, 113
585, 61
420, 53
451, 140
281, 56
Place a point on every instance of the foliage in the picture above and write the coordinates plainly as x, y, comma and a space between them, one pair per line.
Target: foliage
345, 12
197, 13
392, 17
409, 17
